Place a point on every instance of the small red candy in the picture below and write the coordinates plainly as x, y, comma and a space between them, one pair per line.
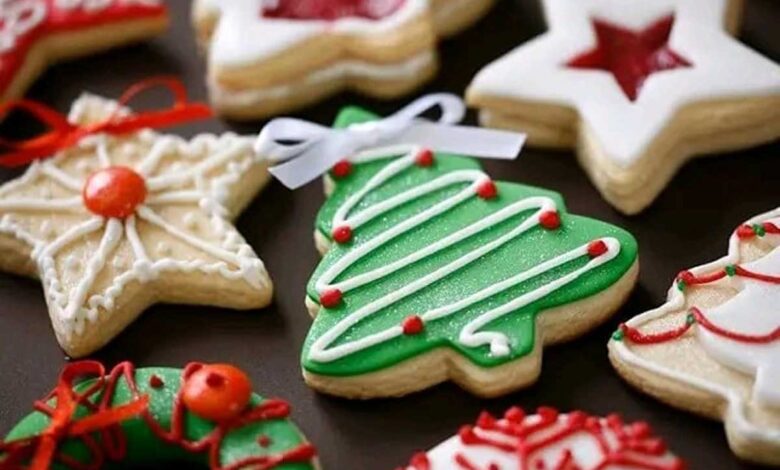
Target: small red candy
597, 248
217, 392
745, 232
487, 189
550, 220
330, 298
412, 325
114, 192
342, 234
424, 158
156, 382
342, 169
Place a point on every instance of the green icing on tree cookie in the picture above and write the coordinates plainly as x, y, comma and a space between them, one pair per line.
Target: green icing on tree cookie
250, 437
536, 245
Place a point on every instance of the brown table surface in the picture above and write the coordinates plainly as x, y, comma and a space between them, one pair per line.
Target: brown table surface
688, 225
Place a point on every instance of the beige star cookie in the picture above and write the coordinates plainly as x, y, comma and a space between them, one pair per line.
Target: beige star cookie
115, 224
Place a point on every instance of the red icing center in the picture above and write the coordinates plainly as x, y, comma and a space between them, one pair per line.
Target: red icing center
114, 192
631, 56
332, 9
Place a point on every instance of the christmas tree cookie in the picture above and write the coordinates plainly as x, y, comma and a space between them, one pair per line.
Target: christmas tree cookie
714, 347
435, 272
203, 414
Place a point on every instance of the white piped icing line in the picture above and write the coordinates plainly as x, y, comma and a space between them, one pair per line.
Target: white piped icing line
322, 350
754, 310
722, 69
202, 186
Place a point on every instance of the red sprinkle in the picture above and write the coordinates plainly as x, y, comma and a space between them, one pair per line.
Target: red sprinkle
597, 248
330, 298
342, 169
156, 382
424, 158
550, 220
412, 325
745, 231
264, 441
487, 189
342, 234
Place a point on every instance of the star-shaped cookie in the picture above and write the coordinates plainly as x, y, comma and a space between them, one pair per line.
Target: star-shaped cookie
637, 87
714, 347
34, 33
270, 56
117, 223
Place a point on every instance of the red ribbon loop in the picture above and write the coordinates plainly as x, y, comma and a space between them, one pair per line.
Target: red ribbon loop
42, 448
62, 134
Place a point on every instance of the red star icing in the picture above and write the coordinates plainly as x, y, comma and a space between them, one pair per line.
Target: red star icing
25, 23
631, 56
332, 9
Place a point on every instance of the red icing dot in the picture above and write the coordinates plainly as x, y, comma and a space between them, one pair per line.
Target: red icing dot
486, 420
114, 192
420, 461
515, 414
264, 441
424, 158
332, 9
156, 382
487, 189
412, 325
330, 298
217, 392
597, 248
745, 231
342, 234
342, 169
550, 220
631, 56
687, 277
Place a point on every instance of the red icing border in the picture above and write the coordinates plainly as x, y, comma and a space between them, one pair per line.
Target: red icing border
60, 20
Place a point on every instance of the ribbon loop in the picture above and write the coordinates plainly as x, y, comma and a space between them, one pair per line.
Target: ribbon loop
62, 134
303, 150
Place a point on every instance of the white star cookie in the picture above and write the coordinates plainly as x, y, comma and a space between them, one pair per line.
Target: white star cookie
115, 224
269, 56
638, 87
714, 347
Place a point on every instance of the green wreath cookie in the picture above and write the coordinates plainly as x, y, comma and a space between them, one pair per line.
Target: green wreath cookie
204, 414
434, 271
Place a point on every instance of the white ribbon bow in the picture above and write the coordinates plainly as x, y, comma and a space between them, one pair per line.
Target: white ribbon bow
315, 148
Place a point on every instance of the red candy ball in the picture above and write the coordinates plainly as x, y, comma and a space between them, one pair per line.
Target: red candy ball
487, 189
217, 392
114, 192
342, 169
597, 248
550, 220
424, 158
330, 298
342, 234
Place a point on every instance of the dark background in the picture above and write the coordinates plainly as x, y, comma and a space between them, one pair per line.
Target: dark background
688, 225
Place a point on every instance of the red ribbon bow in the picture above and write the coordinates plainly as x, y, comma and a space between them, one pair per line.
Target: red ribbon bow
62, 134
40, 450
